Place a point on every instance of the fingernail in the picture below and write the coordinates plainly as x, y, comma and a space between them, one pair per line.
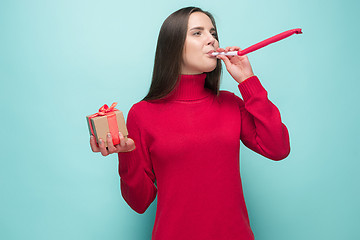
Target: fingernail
100, 141
109, 135
120, 134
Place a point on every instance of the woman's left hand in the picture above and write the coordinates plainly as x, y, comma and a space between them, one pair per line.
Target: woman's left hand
238, 66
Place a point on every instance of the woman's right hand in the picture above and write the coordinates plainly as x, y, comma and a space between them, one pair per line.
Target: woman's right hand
123, 146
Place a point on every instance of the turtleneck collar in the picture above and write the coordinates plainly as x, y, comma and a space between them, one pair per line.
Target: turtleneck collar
189, 87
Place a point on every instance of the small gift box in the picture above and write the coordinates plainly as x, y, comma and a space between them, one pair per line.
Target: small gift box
107, 120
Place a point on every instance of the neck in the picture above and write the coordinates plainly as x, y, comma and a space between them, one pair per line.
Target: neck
189, 87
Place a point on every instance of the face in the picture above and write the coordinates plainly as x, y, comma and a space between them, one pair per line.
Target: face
200, 40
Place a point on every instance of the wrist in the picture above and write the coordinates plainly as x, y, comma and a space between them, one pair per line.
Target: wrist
244, 78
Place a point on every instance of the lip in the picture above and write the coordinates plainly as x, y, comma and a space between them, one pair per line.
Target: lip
210, 53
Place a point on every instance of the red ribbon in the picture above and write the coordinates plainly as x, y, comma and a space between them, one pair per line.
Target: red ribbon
109, 112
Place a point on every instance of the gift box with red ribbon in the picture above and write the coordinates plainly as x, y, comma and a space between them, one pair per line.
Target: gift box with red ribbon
107, 120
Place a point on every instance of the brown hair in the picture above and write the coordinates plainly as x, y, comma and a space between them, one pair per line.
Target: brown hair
168, 56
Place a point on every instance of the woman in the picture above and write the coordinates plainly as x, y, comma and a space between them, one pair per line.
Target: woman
187, 135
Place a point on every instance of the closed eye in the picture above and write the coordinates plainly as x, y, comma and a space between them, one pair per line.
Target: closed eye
199, 33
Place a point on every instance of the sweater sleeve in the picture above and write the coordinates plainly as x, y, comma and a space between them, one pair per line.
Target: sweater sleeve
261, 128
136, 171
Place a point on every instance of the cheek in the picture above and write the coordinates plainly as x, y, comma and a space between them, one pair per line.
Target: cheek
191, 51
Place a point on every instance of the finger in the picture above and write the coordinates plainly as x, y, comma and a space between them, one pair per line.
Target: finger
110, 144
223, 57
93, 144
118, 148
220, 50
128, 147
226, 60
103, 150
219, 57
122, 140
235, 48
130, 144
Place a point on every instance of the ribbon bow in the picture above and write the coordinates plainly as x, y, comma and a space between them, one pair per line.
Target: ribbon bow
104, 110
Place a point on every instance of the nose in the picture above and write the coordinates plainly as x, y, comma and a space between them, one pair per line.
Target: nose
211, 40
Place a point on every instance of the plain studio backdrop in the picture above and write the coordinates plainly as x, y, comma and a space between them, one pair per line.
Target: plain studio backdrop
62, 60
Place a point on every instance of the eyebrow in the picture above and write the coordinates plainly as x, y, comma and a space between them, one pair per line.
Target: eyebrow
201, 28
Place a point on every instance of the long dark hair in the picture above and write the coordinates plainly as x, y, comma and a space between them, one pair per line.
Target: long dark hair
168, 56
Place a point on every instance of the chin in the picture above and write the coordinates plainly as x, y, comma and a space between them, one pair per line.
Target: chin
210, 68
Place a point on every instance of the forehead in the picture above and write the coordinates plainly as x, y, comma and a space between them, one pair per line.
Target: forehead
199, 19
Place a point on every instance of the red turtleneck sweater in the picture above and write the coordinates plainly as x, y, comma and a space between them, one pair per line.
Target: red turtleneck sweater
189, 142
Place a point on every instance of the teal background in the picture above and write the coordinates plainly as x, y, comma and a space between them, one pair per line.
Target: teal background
62, 60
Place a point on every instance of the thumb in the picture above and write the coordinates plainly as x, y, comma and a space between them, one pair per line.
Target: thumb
226, 60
